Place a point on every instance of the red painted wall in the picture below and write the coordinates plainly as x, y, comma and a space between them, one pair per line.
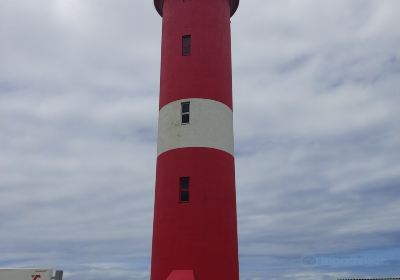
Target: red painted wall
206, 73
202, 234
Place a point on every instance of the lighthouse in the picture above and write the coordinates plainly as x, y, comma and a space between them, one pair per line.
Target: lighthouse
195, 223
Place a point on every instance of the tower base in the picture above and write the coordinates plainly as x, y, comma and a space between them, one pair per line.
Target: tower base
181, 275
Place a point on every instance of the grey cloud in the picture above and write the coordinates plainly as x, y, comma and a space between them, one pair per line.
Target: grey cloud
316, 125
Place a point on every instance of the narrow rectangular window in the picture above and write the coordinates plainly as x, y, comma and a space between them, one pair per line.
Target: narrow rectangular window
185, 112
186, 45
184, 189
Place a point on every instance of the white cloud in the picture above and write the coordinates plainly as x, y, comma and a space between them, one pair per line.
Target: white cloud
316, 123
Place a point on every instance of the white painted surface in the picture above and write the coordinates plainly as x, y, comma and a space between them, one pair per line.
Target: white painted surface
211, 126
25, 274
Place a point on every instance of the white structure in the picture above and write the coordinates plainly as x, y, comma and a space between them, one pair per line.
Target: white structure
29, 274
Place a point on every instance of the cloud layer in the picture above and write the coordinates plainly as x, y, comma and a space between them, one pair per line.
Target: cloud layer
316, 94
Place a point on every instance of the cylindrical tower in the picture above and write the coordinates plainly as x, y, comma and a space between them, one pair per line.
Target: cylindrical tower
195, 228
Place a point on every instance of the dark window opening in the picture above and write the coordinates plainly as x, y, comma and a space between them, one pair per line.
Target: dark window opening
186, 44
185, 119
184, 183
185, 112
185, 107
184, 197
184, 189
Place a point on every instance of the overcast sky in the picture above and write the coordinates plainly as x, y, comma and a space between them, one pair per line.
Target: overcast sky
317, 135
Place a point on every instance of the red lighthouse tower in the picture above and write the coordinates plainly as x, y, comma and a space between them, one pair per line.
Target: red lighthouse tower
195, 228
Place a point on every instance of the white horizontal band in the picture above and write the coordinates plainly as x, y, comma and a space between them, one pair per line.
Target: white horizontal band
210, 126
